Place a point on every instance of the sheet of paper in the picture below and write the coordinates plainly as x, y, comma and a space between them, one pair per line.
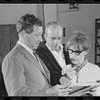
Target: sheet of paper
79, 88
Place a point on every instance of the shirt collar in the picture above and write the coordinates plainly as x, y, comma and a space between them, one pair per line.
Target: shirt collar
26, 47
78, 68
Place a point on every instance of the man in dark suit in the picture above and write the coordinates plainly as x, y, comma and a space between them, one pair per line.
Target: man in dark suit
52, 52
23, 71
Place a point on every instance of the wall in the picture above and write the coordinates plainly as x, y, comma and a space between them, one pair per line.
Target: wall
83, 20
10, 13
50, 12
40, 10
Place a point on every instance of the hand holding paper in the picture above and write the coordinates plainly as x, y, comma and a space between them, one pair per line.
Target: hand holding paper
58, 90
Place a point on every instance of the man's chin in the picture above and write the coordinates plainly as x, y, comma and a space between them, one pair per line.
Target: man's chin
35, 47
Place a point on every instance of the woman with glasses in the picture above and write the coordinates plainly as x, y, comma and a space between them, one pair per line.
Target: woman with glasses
81, 71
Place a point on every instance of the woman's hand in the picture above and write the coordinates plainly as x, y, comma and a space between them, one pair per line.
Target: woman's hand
69, 71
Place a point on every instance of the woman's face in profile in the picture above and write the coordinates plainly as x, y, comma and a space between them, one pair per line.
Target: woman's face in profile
76, 56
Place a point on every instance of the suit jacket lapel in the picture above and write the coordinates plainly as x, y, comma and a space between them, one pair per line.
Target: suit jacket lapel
51, 55
29, 57
32, 59
47, 73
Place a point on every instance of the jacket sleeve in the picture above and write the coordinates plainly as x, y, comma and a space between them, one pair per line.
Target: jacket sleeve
14, 79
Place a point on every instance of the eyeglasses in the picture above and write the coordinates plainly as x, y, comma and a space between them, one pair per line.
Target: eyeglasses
76, 52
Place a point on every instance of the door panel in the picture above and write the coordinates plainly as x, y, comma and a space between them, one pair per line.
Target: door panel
8, 38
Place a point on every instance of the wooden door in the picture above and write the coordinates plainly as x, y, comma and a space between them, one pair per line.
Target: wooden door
8, 38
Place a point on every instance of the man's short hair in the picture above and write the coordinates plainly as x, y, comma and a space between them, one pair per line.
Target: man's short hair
52, 23
27, 22
79, 40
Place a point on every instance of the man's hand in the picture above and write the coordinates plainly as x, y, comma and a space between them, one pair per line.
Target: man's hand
59, 90
65, 81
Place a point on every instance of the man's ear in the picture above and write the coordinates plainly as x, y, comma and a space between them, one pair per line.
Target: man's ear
45, 36
24, 35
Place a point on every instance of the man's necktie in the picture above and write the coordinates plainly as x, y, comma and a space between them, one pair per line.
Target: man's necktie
36, 56
40, 63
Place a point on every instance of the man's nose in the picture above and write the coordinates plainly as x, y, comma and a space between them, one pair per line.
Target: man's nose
56, 41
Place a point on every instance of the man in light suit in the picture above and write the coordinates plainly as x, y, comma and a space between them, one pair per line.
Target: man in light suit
23, 71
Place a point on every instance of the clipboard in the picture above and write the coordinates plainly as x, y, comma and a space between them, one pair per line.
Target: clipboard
78, 90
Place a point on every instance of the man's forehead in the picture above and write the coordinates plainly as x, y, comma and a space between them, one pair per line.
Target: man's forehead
38, 28
54, 32
55, 27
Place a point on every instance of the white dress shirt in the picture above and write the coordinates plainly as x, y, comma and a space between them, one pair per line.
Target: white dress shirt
58, 56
